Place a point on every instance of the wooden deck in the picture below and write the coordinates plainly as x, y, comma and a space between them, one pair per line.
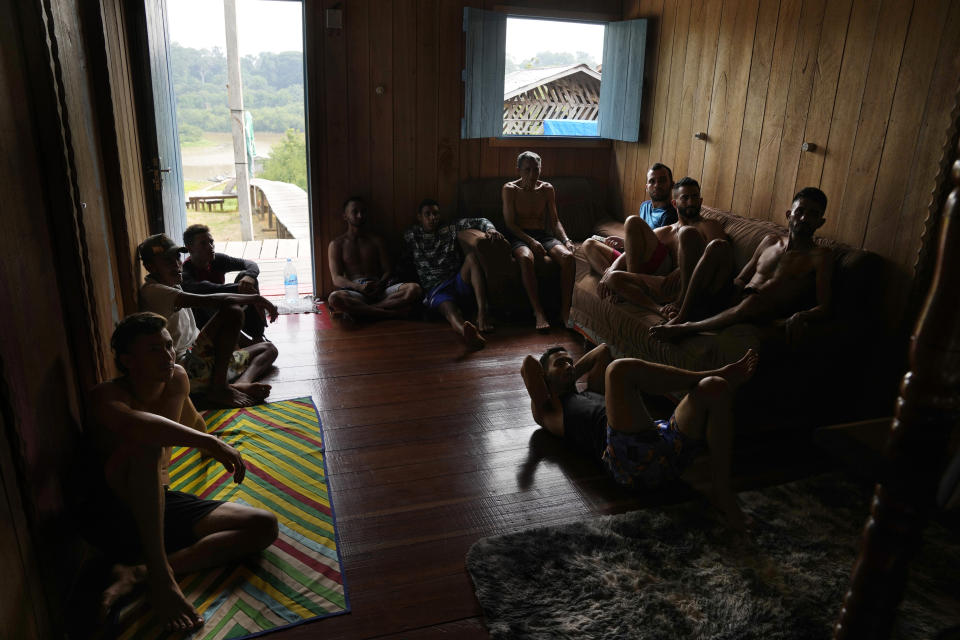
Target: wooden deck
284, 203
271, 256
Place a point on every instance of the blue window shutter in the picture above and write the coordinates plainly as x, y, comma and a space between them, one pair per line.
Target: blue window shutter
621, 84
483, 77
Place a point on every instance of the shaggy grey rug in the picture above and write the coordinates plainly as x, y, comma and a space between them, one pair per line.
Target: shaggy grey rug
675, 572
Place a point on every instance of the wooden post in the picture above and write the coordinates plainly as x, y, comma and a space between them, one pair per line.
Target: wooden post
235, 100
915, 455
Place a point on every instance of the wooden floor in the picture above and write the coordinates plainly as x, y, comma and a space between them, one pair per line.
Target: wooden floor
428, 450
271, 256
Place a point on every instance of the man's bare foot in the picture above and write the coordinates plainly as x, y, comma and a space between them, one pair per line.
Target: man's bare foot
172, 609
123, 580
542, 323
730, 511
229, 396
484, 324
258, 391
471, 335
671, 311
667, 331
740, 371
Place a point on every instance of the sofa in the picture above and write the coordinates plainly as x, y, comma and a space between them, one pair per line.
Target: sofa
829, 376
824, 378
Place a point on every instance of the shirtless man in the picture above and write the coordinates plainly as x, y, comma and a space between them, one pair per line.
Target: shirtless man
534, 230
656, 265
223, 373
360, 267
152, 533
780, 275
610, 423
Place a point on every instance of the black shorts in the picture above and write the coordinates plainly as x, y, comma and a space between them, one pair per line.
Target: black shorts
113, 530
541, 236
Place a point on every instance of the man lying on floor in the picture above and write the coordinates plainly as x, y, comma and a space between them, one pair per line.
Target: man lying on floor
610, 423
151, 533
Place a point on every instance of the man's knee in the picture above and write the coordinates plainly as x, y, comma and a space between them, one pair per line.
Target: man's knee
337, 300
411, 291
689, 236
713, 390
524, 259
269, 352
262, 526
564, 259
635, 225
131, 465
232, 313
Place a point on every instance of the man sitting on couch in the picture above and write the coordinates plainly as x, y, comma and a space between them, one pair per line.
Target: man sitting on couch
610, 423
449, 280
657, 265
657, 212
533, 231
781, 275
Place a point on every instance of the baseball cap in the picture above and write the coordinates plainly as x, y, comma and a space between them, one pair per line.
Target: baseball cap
159, 244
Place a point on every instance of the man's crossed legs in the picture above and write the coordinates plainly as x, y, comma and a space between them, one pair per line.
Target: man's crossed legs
215, 356
226, 533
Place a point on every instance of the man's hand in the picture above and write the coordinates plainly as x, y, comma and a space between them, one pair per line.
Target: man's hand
670, 310
262, 303
796, 327
568, 243
247, 285
371, 288
493, 234
537, 248
230, 458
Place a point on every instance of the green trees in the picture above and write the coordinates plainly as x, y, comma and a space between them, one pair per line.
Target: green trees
288, 160
272, 91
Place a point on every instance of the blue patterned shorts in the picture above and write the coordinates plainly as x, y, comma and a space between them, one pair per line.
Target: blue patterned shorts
648, 459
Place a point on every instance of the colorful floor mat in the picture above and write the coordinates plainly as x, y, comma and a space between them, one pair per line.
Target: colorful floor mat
296, 579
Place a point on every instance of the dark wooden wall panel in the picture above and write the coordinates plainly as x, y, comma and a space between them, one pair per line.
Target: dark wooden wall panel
868, 82
402, 145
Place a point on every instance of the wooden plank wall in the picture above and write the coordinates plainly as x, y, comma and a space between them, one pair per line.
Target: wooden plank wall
403, 144
870, 82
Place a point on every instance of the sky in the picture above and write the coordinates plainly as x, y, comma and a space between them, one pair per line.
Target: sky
262, 25
526, 38
273, 25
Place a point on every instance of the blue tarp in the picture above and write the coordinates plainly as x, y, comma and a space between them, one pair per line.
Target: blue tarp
570, 127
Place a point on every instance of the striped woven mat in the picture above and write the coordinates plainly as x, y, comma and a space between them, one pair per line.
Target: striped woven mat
296, 579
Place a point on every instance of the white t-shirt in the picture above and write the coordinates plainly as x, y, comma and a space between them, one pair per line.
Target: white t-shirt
162, 299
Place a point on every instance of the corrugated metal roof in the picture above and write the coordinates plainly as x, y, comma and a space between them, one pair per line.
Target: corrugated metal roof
522, 81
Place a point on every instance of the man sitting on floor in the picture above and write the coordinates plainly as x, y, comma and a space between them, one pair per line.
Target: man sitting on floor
361, 269
204, 271
656, 266
450, 280
610, 423
210, 356
533, 231
781, 275
152, 533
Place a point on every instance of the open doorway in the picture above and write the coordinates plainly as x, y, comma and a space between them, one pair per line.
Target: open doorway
271, 143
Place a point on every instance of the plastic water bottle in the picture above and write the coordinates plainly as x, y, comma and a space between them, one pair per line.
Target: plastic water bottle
290, 281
